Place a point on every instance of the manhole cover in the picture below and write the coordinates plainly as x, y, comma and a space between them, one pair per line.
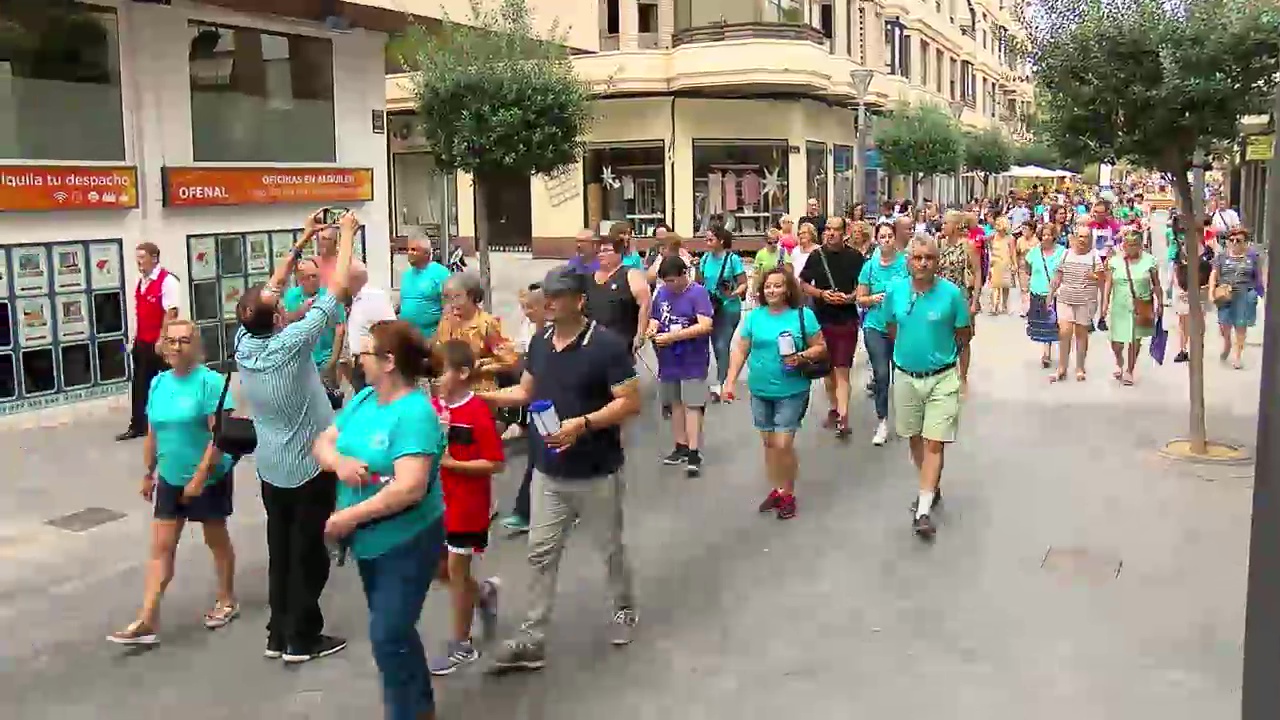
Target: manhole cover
1081, 563
86, 519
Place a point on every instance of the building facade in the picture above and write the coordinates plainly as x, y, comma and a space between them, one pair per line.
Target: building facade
208, 129
740, 111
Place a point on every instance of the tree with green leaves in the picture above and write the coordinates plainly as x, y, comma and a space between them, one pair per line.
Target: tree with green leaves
497, 100
987, 152
918, 141
1155, 83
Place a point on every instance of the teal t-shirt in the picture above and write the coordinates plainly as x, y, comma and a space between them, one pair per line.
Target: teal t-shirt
877, 277
927, 323
633, 260
767, 376
378, 434
292, 300
1044, 268
178, 408
420, 301
709, 268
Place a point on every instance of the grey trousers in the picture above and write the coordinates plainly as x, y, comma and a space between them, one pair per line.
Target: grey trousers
555, 505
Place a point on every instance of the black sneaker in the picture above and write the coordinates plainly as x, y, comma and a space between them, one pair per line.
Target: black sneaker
937, 502
679, 456
324, 646
1181, 357
693, 463
129, 434
275, 648
923, 526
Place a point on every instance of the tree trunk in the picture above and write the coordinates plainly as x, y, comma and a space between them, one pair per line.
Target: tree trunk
1190, 203
915, 187
483, 202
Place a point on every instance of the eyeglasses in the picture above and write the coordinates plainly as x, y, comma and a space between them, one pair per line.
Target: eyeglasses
185, 340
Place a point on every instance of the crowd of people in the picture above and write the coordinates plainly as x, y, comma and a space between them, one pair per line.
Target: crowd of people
376, 428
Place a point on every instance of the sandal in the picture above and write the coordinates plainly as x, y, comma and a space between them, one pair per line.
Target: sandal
1080, 376
1126, 379
1045, 362
221, 614
137, 633
1118, 374
1058, 376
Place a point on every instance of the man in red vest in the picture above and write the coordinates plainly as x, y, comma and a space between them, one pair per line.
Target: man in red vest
156, 303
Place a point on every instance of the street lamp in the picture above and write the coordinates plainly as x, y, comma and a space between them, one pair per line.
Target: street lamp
957, 110
861, 84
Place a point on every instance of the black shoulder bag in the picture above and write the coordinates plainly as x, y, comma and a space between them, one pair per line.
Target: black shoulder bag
811, 369
717, 302
234, 436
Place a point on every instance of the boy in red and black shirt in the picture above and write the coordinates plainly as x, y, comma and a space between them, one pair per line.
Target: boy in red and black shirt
466, 475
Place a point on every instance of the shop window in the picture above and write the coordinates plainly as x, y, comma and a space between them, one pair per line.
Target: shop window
843, 173
626, 183
62, 329
260, 97
222, 267
740, 184
815, 173
426, 202
60, 61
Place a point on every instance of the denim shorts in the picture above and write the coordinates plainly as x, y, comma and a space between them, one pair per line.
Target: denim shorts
779, 414
1241, 311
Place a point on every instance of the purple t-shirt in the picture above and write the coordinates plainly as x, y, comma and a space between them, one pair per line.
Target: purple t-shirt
687, 359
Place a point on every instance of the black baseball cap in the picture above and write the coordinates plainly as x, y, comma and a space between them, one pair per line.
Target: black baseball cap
564, 280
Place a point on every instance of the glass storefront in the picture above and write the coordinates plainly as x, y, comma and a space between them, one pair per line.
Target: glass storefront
222, 266
843, 172
260, 97
59, 61
425, 199
815, 174
626, 183
740, 184
62, 324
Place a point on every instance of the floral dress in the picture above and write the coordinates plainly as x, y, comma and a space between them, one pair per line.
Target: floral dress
953, 265
483, 332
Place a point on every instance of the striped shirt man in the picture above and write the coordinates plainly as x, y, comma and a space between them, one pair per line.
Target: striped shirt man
281, 385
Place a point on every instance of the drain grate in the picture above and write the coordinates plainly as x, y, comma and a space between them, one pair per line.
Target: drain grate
86, 519
1083, 563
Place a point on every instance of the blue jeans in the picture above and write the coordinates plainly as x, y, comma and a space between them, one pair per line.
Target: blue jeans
880, 351
723, 325
395, 587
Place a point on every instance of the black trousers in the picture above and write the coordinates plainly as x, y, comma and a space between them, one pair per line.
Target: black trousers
298, 560
522, 509
147, 364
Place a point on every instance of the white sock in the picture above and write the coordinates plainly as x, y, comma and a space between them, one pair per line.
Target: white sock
925, 505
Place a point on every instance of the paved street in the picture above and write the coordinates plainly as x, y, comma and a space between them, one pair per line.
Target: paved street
1137, 611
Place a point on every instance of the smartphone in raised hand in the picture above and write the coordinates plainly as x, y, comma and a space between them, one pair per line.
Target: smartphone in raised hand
331, 215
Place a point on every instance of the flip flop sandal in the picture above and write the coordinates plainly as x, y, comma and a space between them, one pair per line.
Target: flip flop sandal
221, 614
1057, 377
1118, 374
1126, 379
1080, 376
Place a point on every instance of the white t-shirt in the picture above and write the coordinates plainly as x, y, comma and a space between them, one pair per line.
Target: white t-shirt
170, 289
798, 258
369, 306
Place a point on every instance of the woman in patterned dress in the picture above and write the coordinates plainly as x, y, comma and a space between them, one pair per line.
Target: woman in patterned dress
958, 262
465, 320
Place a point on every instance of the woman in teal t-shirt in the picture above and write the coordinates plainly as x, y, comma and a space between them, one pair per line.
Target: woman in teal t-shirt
722, 273
884, 268
385, 448
1041, 265
187, 479
777, 336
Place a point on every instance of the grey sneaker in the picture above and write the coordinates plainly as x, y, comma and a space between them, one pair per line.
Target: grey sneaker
488, 607
624, 625
455, 656
519, 653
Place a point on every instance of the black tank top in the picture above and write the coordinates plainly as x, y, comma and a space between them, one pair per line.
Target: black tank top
611, 304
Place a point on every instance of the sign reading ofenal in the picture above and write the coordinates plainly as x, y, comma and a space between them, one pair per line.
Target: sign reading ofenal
213, 186
62, 398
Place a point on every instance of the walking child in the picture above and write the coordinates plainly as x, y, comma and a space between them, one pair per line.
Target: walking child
466, 472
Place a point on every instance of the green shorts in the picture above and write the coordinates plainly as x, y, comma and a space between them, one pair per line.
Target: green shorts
928, 407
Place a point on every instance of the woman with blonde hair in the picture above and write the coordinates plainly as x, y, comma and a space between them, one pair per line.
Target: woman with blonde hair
958, 262
806, 243
1131, 303
860, 236
188, 479
1003, 253
464, 319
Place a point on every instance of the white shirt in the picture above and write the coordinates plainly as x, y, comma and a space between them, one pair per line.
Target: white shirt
1225, 220
170, 289
369, 306
798, 258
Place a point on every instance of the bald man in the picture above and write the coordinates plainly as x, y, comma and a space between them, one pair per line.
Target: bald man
368, 306
422, 288
903, 229
584, 260
297, 300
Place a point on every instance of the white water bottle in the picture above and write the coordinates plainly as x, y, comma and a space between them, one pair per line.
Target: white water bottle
786, 344
545, 420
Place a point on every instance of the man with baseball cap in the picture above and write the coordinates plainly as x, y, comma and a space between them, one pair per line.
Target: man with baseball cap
580, 383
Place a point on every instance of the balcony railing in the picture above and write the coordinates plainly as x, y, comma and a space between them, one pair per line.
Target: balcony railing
749, 31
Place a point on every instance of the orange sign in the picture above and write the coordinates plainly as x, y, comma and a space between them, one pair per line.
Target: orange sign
34, 188
210, 186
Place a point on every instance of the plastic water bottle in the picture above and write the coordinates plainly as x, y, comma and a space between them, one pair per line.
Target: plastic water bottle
673, 326
786, 344
544, 417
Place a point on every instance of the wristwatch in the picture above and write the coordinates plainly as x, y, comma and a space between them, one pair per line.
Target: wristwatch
586, 423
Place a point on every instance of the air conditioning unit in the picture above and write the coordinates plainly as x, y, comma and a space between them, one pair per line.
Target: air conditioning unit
404, 134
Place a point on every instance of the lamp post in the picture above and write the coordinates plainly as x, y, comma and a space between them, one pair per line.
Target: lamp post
957, 109
861, 84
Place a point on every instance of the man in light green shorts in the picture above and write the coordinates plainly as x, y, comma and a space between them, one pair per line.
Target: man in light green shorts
928, 319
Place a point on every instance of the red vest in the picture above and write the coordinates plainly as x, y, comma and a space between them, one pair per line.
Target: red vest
150, 308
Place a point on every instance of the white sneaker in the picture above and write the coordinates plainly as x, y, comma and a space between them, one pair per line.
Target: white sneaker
882, 434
